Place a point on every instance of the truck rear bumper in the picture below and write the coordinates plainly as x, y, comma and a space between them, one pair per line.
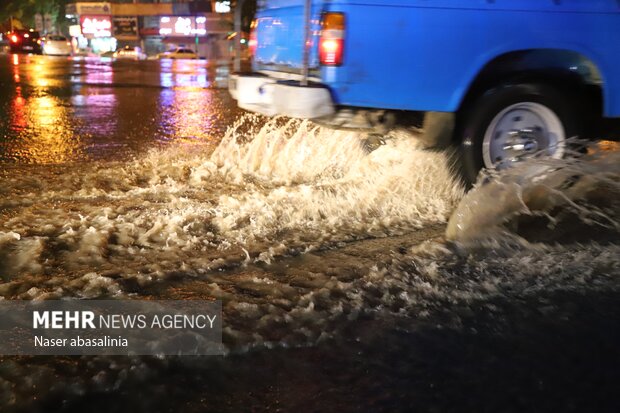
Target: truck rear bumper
268, 96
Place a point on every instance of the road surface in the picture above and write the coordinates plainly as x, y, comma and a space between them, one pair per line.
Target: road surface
344, 288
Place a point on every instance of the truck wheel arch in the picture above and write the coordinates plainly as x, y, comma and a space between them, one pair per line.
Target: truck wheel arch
561, 68
567, 82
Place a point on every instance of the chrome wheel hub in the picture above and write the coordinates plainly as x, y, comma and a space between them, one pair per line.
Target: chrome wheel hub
522, 131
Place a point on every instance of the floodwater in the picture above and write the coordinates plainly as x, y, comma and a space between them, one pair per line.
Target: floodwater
351, 281
58, 110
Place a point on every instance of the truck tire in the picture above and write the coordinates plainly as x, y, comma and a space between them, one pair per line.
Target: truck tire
512, 123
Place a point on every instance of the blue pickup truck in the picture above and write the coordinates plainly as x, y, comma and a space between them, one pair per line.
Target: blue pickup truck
505, 80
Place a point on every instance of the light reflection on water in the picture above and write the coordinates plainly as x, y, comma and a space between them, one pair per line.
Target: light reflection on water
183, 73
98, 104
183, 114
38, 120
78, 109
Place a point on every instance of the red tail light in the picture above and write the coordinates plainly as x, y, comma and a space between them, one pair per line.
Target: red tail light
14, 39
331, 44
252, 42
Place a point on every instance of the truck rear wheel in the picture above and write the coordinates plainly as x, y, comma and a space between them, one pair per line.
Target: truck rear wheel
513, 123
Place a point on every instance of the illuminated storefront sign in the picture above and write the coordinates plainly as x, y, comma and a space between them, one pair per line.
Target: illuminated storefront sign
91, 9
222, 6
125, 27
96, 26
183, 26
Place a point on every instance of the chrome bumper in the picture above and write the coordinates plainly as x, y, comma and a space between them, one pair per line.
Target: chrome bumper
271, 97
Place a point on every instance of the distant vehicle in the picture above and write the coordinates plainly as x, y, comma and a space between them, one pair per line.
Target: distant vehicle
24, 41
179, 53
56, 45
129, 52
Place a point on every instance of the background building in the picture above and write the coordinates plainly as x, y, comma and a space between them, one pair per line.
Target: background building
203, 26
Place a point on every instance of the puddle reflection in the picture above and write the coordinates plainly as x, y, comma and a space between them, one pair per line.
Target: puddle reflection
79, 109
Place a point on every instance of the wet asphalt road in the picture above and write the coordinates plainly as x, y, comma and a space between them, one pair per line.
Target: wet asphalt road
414, 323
59, 110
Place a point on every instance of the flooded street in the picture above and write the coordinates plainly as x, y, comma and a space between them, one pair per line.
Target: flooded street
60, 110
351, 281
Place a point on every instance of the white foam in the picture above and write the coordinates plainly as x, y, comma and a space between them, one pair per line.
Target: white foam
271, 190
266, 190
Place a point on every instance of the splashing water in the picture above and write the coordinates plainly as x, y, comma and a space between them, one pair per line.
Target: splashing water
586, 187
175, 218
323, 184
263, 192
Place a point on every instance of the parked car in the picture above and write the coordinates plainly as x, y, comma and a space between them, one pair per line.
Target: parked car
129, 52
24, 41
56, 45
179, 53
503, 81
